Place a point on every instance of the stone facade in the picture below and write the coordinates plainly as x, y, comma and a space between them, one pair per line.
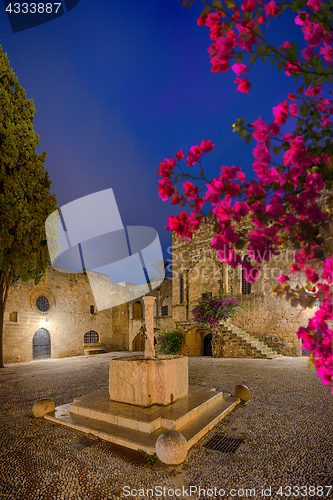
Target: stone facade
71, 314
162, 317
197, 270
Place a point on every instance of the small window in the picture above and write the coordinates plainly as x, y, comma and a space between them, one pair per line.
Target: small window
92, 309
137, 310
206, 295
165, 310
182, 288
13, 317
91, 337
246, 286
43, 304
155, 310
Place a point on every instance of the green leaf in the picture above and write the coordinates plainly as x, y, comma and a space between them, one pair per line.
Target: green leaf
289, 187
217, 4
286, 146
272, 61
291, 53
252, 58
248, 138
239, 58
242, 133
308, 78
303, 111
264, 57
276, 150
280, 64
261, 48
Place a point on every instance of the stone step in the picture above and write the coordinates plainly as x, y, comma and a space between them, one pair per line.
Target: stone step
99, 406
137, 440
248, 339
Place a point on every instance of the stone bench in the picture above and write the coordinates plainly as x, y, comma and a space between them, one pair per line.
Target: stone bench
96, 349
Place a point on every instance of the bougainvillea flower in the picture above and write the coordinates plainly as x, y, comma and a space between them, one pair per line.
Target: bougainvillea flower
281, 113
206, 146
239, 68
243, 85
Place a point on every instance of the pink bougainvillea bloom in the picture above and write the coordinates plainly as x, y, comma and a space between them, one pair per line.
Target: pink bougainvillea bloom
193, 155
240, 209
239, 68
179, 225
314, 34
190, 191
328, 270
260, 133
201, 21
294, 67
249, 5
314, 4
285, 46
281, 113
243, 85
316, 91
206, 146
251, 274
311, 275
271, 9
180, 155
308, 53
165, 188
240, 177
293, 109
291, 96
327, 52
273, 128
282, 278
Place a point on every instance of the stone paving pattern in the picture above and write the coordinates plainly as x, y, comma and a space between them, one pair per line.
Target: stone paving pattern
287, 429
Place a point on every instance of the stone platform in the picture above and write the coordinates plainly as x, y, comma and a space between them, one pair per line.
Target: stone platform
138, 428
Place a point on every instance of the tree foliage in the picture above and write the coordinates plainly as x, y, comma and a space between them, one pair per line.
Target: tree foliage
25, 196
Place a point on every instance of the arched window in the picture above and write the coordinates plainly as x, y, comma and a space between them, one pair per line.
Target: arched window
246, 286
166, 306
91, 337
182, 288
43, 303
137, 310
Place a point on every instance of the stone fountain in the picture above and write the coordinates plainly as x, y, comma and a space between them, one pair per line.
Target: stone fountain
149, 403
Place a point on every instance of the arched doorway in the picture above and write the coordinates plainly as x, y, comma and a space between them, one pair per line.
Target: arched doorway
208, 351
41, 344
138, 343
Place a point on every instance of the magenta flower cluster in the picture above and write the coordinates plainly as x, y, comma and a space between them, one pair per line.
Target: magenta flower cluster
212, 310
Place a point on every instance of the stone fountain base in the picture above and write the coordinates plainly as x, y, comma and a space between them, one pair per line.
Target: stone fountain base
142, 381
139, 428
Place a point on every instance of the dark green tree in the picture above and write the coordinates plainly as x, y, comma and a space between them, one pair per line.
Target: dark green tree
25, 196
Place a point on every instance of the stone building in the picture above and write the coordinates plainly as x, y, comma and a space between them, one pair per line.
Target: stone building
271, 323
58, 318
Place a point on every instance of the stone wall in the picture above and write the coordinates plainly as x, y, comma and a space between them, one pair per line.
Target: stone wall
67, 320
265, 316
163, 294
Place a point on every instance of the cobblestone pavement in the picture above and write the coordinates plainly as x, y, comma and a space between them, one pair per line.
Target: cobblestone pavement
287, 429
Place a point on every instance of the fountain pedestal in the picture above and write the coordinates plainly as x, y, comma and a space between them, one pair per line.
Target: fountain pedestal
148, 381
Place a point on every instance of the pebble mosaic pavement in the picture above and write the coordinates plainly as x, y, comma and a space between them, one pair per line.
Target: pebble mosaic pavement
287, 428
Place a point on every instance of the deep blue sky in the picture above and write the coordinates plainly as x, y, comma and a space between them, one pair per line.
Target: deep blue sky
118, 86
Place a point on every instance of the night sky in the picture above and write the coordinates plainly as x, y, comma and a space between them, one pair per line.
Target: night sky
118, 86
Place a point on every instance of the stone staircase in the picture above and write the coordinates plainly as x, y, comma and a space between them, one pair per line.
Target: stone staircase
245, 338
